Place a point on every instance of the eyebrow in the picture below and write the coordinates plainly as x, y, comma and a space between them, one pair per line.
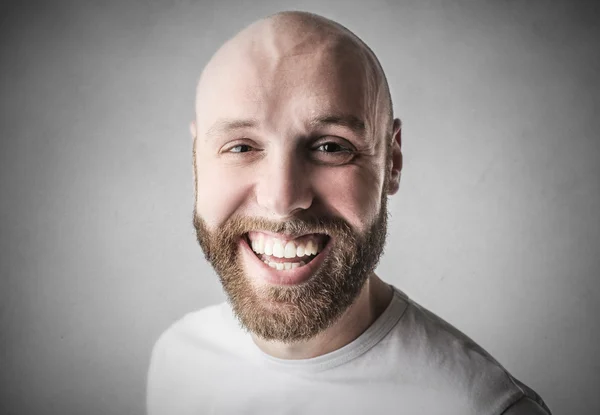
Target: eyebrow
352, 122
349, 121
225, 126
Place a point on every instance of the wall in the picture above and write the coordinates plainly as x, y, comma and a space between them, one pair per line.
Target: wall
495, 227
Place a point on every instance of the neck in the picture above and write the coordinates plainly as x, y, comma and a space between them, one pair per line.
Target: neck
372, 300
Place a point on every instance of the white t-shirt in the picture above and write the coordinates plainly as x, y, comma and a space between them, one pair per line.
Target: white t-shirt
408, 362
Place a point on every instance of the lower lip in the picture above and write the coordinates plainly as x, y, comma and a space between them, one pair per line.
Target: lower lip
259, 271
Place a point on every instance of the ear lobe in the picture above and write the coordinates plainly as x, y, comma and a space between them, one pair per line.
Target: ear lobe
396, 155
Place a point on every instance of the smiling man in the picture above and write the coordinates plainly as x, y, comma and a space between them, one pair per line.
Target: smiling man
295, 153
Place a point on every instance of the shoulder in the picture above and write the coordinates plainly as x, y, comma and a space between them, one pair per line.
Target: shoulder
212, 327
187, 354
447, 357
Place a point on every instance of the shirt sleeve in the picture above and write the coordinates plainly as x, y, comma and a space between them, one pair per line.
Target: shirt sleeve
526, 406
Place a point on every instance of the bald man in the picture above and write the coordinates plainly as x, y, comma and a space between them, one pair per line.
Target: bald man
295, 154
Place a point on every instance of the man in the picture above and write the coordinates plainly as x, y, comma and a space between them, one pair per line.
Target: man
295, 153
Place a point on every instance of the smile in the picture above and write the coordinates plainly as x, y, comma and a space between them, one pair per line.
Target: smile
283, 253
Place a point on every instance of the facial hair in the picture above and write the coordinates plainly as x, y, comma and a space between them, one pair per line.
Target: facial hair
296, 312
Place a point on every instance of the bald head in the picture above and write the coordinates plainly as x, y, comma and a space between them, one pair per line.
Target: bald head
287, 53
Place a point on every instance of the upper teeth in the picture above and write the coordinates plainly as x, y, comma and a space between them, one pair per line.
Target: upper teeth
262, 244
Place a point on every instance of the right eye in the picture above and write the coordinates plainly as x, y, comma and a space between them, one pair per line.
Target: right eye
240, 148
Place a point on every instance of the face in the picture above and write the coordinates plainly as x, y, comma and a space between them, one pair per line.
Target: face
291, 166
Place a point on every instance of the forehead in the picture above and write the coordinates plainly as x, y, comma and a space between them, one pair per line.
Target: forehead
285, 81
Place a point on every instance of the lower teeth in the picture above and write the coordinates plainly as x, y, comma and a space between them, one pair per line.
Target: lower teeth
284, 265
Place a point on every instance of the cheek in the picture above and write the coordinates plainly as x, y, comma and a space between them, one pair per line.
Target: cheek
219, 192
353, 192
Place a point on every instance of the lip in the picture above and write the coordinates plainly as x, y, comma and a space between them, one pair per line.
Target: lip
259, 271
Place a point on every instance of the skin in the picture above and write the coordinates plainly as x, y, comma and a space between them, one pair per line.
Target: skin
274, 79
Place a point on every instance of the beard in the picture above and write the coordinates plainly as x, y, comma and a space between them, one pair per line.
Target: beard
292, 313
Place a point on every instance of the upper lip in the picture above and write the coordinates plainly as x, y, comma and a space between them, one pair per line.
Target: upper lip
285, 237
288, 236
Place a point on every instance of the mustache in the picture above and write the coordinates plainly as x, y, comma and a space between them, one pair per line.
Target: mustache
237, 226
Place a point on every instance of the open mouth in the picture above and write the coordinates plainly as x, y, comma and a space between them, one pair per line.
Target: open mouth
283, 253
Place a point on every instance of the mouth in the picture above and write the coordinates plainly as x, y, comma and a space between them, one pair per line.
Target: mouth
283, 259
286, 253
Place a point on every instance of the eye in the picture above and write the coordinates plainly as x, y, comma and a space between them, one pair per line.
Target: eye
333, 153
240, 148
332, 148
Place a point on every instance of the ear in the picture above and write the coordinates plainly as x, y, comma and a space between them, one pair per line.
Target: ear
194, 132
396, 155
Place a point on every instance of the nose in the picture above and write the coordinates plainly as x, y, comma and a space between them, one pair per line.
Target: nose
284, 188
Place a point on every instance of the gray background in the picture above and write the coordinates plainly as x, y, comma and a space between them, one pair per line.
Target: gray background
495, 227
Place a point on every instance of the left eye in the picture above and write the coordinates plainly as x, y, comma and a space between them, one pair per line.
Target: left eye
333, 153
331, 148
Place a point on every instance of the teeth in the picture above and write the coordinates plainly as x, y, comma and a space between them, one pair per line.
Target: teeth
284, 265
268, 247
280, 249
260, 245
290, 250
310, 249
277, 249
